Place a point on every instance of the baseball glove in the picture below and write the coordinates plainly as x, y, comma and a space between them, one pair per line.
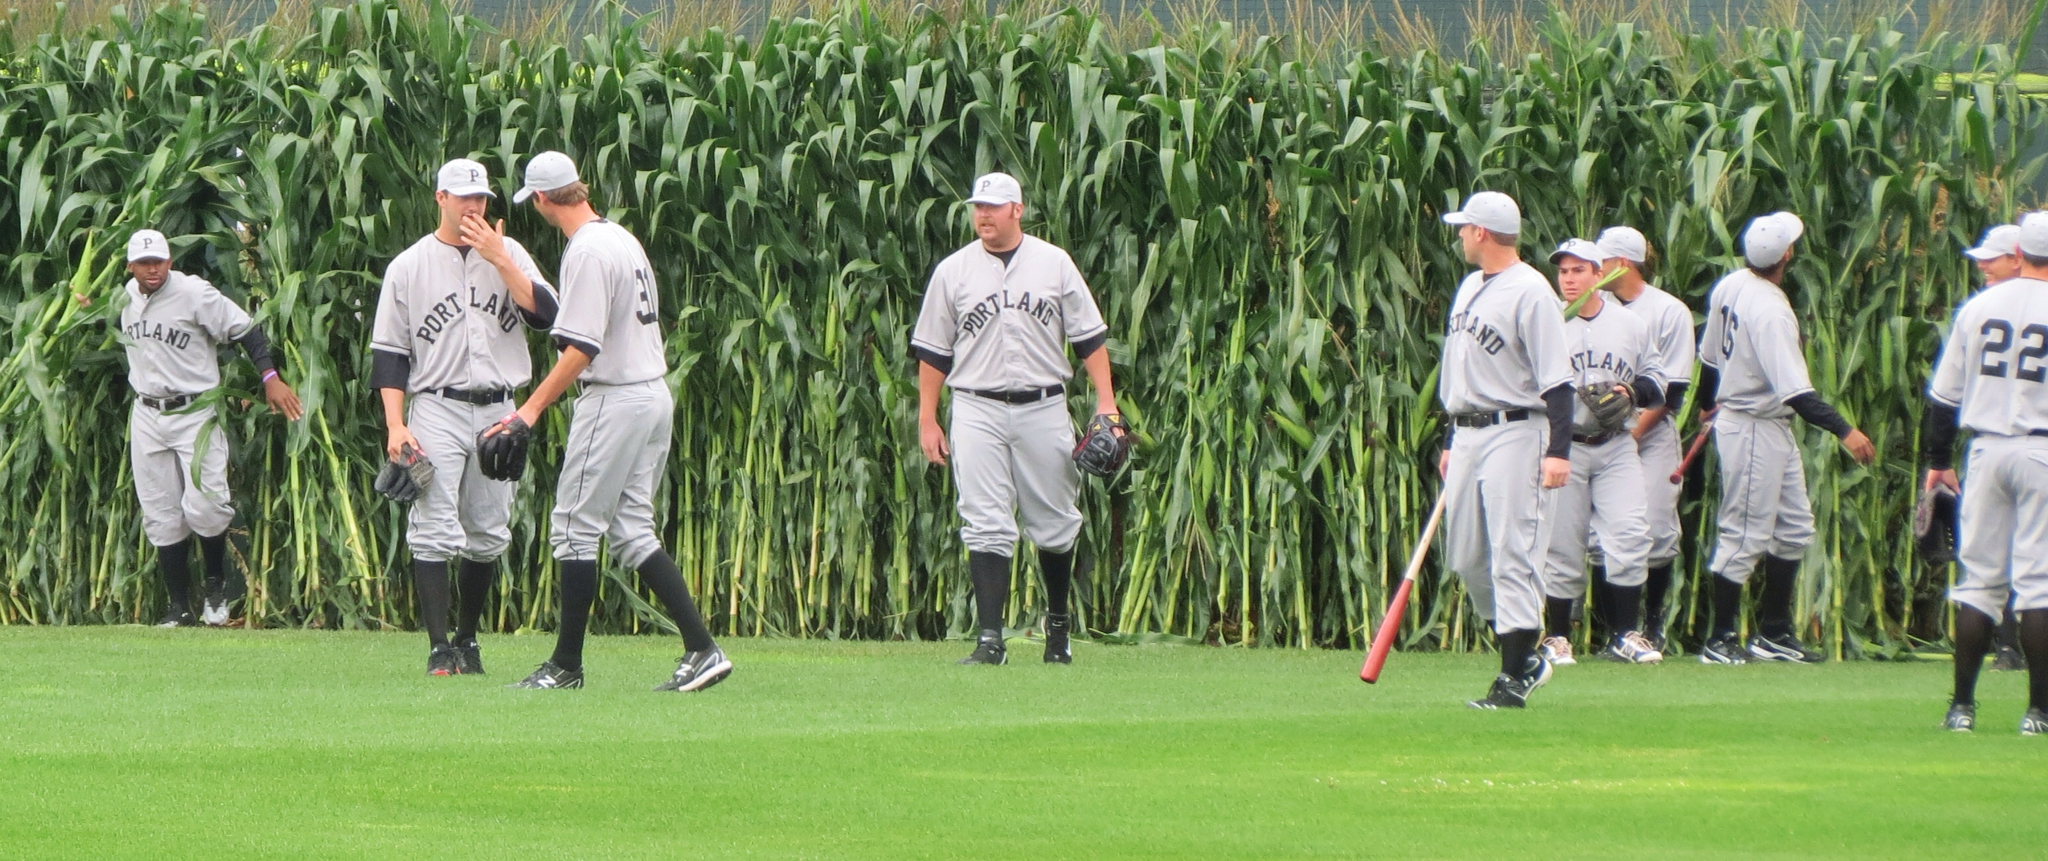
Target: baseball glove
406, 477
1934, 526
502, 456
1611, 409
1102, 451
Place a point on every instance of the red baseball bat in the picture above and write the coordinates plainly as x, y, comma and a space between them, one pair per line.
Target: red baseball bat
1383, 641
1699, 441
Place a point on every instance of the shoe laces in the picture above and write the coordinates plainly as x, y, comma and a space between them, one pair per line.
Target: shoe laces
1636, 642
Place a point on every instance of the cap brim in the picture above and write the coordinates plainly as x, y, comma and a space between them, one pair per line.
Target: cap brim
523, 194
1459, 217
1555, 255
471, 191
1987, 253
149, 257
990, 201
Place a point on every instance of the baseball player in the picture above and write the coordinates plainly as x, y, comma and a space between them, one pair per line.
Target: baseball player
1754, 371
1655, 433
1998, 259
1992, 380
1611, 352
450, 331
1506, 381
609, 334
998, 315
171, 328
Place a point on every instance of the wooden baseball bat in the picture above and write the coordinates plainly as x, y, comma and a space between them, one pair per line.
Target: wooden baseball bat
1383, 640
1699, 441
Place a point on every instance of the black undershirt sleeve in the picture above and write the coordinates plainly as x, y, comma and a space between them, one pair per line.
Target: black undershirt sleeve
1087, 346
1710, 387
942, 364
257, 345
1558, 403
390, 370
1674, 394
1648, 396
1819, 413
1938, 438
542, 317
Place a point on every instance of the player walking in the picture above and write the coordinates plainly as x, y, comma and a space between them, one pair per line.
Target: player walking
450, 331
171, 328
1755, 371
609, 333
1506, 382
997, 318
1613, 365
1992, 379
1654, 431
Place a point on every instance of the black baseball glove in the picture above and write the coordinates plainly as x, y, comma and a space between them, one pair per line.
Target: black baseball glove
502, 455
1102, 450
1934, 525
1611, 407
406, 477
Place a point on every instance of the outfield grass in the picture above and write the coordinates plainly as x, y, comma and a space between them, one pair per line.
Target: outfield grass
139, 743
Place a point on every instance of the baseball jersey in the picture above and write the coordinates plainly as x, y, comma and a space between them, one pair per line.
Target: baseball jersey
1613, 347
1994, 368
1752, 339
448, 310
1671, 328
1006, 328
1506, 343
172, 336
610, 308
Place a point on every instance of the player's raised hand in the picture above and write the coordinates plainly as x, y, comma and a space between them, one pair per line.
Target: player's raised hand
932, 439
282, 398
1556, 471
488, 239
1859, 447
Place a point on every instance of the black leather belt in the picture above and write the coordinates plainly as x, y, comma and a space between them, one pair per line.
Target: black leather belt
1023, 396
1595, 439
1487, 420
172, 403
478, 397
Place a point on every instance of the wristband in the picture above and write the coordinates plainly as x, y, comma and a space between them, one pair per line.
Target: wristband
269, 375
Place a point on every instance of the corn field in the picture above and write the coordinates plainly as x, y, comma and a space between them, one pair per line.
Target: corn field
1258, 219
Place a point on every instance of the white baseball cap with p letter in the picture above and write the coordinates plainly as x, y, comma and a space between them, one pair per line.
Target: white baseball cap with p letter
464, 178
148, 245
1581, 249
1489, 210
546, 172
996, 189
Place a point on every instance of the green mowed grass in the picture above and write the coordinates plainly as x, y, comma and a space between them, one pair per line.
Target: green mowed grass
139, 743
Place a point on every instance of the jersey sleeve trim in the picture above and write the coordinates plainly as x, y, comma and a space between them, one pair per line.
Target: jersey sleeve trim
565, 340
922, 344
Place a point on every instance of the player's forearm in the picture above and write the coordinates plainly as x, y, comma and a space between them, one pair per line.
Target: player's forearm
520, 285
1938, 436
257, 345
1557, 406
1097, 366
1820, 414
394, 407
567, 368
929, 381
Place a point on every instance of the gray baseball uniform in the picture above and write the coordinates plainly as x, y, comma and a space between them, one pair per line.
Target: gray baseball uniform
1606, 488
1752, 340
449, 333
619, 430
1000, 331
179, 454
1505, 346
1994, 371
1671, 339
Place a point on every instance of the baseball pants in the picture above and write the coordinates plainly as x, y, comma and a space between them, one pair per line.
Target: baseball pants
1495, 513
1605, 494
1659, 454
182, 489
611, 469
462, 515
1014, 463
2004, 543
1764, 509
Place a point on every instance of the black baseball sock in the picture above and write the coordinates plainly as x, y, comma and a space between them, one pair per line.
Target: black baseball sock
1973, 639
1655, 587
1059, 579
579, 588
1516, 648
2034, 642
1602, 608
1727, 606
662, 577
1622, 602
991, 575
472, 589
173, 561
1557, 617
215, 550
1774, 608
430, 581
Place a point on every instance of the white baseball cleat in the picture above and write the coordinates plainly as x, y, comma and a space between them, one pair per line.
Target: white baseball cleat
1634, 648
215, 613
1558, 651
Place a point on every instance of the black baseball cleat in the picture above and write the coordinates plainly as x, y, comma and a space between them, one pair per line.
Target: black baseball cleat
696, 671
1783, 647
988, 650
1962, 717
1512, 692
1724, 649
443, 661
469, 658
177, 617
2035, 722
2008, 659
1057, 648
550, 676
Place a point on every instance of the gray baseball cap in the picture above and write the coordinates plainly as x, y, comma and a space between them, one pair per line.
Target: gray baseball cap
546, 172
1999, 241
148, 245
1490, 210
464, 178
997, 189
1768, 237
1581, 249
1626, 243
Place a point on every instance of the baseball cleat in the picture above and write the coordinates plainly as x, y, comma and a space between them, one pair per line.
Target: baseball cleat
215, 611
550, 676
1557, 650
1634, 648
177, 617
1962, 717
442, 660
1784, 647
1724, 649
2035, 722
696, 671
469, 658
2008, 660
1058, 650
1512, 692
988, 650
